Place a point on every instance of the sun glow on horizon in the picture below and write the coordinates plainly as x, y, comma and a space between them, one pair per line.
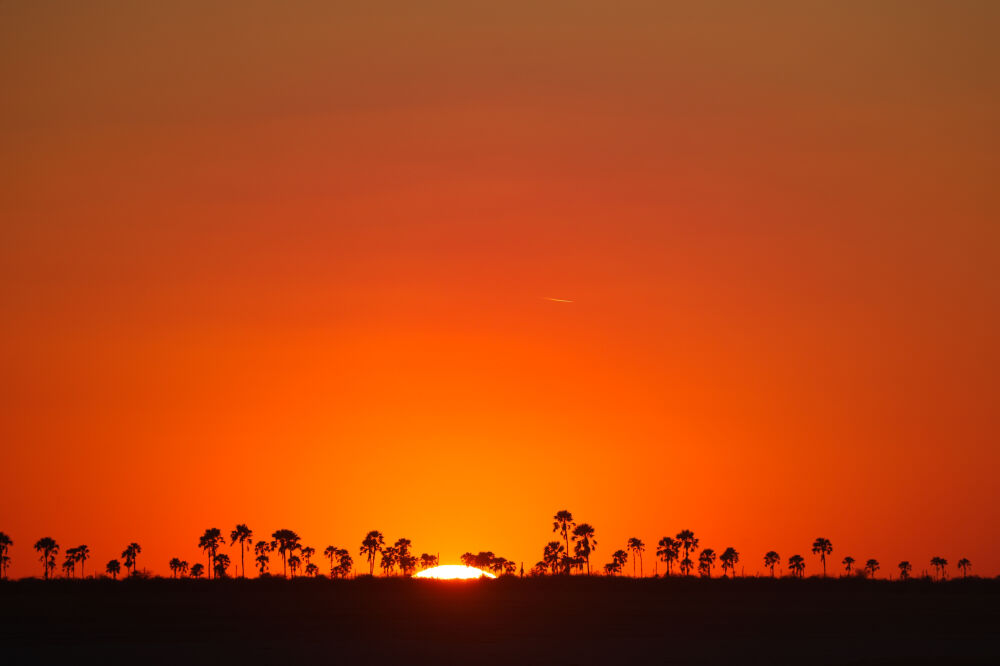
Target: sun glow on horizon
453, 572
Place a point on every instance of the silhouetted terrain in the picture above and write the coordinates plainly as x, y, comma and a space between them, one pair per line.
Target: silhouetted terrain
548, 620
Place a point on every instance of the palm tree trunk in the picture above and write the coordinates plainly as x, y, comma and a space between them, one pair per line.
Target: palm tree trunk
243, 563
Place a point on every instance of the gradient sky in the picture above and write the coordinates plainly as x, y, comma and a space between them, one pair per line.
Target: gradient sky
286, 263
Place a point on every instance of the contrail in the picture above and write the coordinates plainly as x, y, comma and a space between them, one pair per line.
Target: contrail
557, 300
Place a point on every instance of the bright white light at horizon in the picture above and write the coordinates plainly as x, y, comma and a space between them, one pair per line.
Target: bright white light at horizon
453, 572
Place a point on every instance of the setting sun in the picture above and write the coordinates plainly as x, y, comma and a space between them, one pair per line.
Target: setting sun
453, 572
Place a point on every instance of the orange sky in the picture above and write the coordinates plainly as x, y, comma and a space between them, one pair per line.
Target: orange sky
287, 265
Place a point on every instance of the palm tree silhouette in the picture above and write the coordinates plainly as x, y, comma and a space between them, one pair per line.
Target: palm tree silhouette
221, 564
848, 563
822, 547
175, 566
344, 563
311, 570
48, 549
113, 567
636, 547
307, 552
69, 563
389, 557
584, 542
287, 542
688, 542
184, 568
370, 546
428, 561
131, 556
871, 566
261, 549
552, 555
729, 558
904, 569
407, 562
771, 558
618, 559
197, 570
940, 563
964, 565
706, 561
209, 543
244, 535
81, 556
797, 565
563, 523
330, 552
668, 551
5, 543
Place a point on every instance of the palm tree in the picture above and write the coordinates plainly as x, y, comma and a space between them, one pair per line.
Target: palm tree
706, 561
244, 535
940, 563
904, 569
552, 555
370, 546
261, 549
407, 562
871, 566
822, 547
82, 555
307, 552
312, 570
964, 565
175, 566
611, 568
668, 550
618, 559
428, 561
48, 548
636, 547
184, 568
771, 558
390, 555
330, 552
688, 542
563, 523
499, 565
797, 564
209, 543
197, 569
5, 543
848, 562
584, 542
287, 542
729, 558
69, 563
131, 555
344, 563
113, 567
221, 564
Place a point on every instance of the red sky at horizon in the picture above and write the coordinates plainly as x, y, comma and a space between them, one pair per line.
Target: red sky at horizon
288, 264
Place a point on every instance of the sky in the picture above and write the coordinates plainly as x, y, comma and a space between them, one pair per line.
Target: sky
289, 264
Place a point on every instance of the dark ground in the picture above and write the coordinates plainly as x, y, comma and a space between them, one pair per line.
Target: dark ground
550, 621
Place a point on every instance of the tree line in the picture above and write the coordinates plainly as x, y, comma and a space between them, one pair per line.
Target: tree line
569, 553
